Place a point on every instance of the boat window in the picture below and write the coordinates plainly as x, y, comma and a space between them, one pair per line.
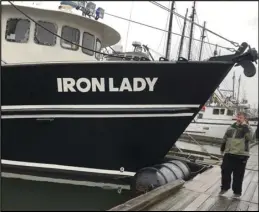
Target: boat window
44, 37
216, 111
72, 35
17, 30
230, 113
98, 47
222, 111
200, 115
88, 42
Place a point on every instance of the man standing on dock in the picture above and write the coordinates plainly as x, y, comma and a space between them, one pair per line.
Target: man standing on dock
236, 153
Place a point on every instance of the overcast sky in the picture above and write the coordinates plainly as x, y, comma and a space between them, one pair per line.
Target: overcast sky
237, 21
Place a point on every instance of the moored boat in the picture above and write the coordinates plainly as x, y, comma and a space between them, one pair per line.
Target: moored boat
62, 107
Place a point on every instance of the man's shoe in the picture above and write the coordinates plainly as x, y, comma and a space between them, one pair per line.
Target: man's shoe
222, 192
237, 195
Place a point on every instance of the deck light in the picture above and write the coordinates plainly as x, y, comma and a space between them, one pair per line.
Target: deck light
90, 8
99, 13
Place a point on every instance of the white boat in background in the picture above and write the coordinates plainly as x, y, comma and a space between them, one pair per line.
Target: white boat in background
211, 123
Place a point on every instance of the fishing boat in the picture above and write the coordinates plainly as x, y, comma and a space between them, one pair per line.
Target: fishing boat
62, 108
211, 123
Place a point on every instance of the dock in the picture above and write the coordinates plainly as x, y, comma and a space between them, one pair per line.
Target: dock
200, 193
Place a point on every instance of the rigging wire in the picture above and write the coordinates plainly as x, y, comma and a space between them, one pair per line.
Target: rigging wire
167, 9
126, 42
163, 35
115, 16
209, 44
178, 20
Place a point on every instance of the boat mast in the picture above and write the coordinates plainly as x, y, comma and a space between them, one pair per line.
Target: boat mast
202, 39
190, 42
169, 35
182, 37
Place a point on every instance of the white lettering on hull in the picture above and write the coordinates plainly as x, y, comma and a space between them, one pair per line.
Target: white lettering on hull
85, 85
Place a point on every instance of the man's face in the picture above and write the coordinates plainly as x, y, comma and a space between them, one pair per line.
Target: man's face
240, 119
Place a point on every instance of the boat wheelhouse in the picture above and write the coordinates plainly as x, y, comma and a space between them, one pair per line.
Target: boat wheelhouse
25, 42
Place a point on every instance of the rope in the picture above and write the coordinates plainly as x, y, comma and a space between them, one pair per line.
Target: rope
174, 33
202, 147
168, 10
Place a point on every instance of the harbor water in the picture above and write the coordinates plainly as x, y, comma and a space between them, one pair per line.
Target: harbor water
36, 194
25, 192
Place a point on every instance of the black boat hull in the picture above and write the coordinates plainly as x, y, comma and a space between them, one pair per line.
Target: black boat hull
102, 128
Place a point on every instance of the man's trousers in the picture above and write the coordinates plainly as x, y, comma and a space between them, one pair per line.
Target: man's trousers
235, 164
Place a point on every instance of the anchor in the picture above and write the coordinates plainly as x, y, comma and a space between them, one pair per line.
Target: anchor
242, 58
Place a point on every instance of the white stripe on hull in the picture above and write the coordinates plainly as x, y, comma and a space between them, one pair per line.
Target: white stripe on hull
65, 181
67, 168
95, 116
24, 107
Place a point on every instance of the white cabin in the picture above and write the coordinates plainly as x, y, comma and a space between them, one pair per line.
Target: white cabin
216, 113
213, 121
23, 41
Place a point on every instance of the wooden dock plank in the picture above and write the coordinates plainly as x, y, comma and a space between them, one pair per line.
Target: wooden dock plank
255, 178
194, 185
233, 205
248, 195
242, 206
208, 180
222, 204
215, 189
208, 204
202, 193
255, 196
252, 207
184, 202
197, 202
146, 200
247, 181
169, 202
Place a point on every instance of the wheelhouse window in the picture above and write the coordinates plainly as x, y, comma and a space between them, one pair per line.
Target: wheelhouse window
88, 42
98, 47
200, 116
72, 35
17, 30
44, 37
215, 111
230, 113
222, 111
